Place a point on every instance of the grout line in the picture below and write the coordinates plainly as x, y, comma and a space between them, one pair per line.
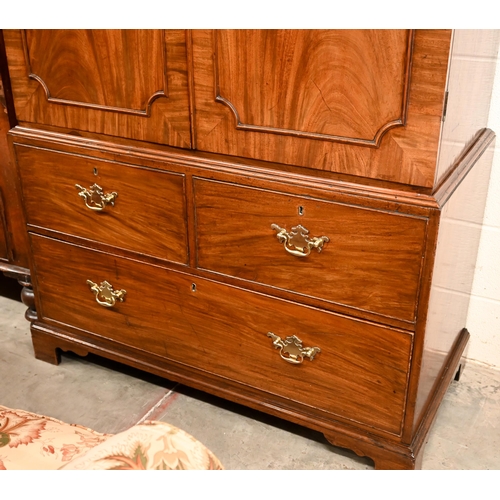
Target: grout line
485, 298
464, 294
475, 57
483, 364
159, 407
462, 222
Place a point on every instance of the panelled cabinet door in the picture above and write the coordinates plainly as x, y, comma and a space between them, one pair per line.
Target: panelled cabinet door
364, 102
125, 83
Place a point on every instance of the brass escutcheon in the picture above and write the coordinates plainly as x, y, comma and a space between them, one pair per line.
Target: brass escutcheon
105, 295
291, 349
94, 197
297, 241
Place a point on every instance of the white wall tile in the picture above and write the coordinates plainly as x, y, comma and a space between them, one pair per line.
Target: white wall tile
487, 274
483, 320
492, 211
483, 325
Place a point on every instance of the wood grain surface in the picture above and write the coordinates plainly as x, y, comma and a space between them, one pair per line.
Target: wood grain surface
148, 216
210, 137
331, 81
223, 330
13, 238
372, 260
126, 83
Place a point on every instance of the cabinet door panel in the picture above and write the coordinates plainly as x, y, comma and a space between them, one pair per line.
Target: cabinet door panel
98, 68
127, 83
330, 84
363, 102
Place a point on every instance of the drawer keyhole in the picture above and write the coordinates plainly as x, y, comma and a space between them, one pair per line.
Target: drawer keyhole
301, 210
193, 287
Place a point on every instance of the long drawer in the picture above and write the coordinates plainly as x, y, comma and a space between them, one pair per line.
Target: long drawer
355, 256
133, 208
359, 371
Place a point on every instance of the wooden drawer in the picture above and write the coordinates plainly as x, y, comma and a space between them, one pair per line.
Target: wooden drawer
372, 261
148, 215
359, 375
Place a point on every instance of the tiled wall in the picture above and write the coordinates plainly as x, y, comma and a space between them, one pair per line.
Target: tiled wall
483, 319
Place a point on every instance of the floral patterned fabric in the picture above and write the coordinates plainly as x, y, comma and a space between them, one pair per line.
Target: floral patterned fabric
151, 445
31, 441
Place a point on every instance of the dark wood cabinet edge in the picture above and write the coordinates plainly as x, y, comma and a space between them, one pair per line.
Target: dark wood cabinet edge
462, 166
8, 256
422, 311
4, 75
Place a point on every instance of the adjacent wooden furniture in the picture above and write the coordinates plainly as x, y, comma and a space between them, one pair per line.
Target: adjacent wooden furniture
273, 216
14, 247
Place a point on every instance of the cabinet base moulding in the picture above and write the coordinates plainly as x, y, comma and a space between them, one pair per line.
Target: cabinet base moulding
48, 342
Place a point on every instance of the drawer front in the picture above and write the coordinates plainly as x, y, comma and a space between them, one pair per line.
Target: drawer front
147, 215
370, 261
360, 373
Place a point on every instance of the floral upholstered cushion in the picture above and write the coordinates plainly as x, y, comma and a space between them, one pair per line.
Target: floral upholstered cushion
31, 441
151, 445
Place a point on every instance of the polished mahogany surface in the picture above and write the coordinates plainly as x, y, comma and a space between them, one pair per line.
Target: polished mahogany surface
365, 102
126, 83
224, 330
52, 200
261, 214
13, 239
381, 249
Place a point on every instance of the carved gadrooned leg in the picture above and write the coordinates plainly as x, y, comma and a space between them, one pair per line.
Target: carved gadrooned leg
28, 298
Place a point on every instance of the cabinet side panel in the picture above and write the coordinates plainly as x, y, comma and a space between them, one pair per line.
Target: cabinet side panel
470, 83
455, 260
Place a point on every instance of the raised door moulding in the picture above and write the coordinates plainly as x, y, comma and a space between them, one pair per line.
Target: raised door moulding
102, 107
371, 142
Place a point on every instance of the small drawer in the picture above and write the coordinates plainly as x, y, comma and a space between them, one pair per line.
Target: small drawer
362, 258
359, 371
128, 207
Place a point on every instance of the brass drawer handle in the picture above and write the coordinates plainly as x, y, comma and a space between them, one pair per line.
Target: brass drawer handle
94, 197
291, 349
297, 241
105, 295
